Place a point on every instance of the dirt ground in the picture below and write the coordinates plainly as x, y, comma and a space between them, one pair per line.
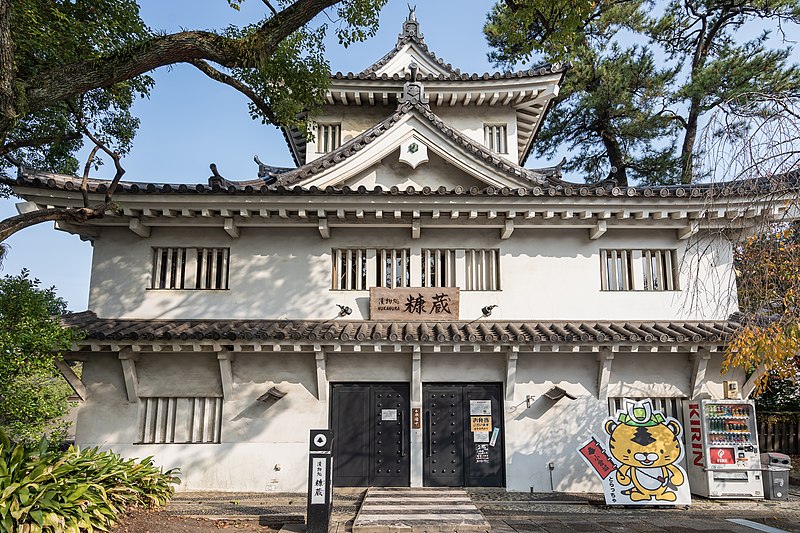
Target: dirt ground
161, 522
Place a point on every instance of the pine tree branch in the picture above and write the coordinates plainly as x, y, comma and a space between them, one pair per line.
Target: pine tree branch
73, 215
221, 77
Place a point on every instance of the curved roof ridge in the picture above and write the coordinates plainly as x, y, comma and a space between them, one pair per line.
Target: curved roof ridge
410, 34
357, 143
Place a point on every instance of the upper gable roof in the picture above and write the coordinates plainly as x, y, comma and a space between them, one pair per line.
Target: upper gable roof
415, 114
410, 48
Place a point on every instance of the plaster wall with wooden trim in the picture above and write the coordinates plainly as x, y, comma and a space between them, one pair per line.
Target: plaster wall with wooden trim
286, 273
263, 445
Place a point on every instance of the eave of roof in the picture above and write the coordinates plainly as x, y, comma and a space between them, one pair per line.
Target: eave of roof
367, 331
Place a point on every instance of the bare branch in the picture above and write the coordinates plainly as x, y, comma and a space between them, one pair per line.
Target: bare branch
221, 77
85, 180
270, 6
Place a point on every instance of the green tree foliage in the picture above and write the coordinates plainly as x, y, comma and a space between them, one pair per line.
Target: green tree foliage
33, 394
71, 70
707, 64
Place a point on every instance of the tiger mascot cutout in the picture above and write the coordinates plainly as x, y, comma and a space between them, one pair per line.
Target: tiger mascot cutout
647, 449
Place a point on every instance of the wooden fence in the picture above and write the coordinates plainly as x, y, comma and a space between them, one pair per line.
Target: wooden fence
779, 432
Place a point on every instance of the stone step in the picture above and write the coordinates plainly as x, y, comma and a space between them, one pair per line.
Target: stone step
429, 510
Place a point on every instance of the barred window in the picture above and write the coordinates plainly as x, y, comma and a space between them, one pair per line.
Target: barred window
438, 268
482, 270
669, 406
180, 420
190, 268
329, 137
639, 270
495, 138
394, 268
617, 270
350, 270
361, 268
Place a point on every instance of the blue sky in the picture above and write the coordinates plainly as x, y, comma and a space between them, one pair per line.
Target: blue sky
190, 121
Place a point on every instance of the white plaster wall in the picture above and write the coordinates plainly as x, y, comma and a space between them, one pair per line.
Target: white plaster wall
355, 121
434, 174
546, 274
264, 445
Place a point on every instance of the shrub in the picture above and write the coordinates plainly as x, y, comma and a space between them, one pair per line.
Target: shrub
42, 490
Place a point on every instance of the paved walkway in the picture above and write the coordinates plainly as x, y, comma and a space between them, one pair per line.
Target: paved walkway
510, 512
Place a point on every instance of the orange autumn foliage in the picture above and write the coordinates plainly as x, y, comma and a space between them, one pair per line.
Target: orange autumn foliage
768, 276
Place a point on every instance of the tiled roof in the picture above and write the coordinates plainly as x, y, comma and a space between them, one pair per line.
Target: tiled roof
350, 148
767, 186
539, 70
452, 332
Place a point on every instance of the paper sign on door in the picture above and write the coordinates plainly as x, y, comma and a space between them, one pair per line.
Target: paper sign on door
481, 423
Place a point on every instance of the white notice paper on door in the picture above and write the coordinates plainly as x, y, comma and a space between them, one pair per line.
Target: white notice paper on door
388, 415
480, 407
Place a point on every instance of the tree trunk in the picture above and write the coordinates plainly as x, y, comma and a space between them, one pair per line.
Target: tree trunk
689, 137
619, 171
8, 93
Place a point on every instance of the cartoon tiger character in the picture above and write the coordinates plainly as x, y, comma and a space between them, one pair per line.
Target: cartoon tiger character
647, 448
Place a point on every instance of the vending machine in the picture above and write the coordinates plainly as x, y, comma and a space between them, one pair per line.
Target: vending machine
722, 449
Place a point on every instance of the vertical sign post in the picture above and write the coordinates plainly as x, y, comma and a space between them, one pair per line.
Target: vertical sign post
320, 481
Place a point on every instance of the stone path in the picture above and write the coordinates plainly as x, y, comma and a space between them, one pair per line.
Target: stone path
428, 510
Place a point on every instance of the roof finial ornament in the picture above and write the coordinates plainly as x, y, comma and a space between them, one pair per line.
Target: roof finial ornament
413, 90
414, 68
411, 26
216, 178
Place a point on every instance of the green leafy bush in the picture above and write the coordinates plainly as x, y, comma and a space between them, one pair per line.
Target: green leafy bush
42, 490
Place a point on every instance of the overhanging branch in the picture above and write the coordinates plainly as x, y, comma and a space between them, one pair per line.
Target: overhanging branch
221, 77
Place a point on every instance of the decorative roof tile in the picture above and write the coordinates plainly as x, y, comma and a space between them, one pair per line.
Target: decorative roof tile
367, 331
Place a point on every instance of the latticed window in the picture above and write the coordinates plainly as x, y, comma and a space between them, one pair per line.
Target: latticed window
350, 270
180, 420
638, 270
482, 270
495, 138
438, 268
393, 268
329, 137
190, 268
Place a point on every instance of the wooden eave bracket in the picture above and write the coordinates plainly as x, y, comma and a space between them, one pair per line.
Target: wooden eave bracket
136, 226
73, 380
324, 228
689, 230
605, 358
599, 230
320, 357
701, 359
511, 372
415, 229
508, 229
128, 358
225, 358
231, 228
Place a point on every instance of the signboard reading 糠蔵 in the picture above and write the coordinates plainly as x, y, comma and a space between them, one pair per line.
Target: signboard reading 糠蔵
417, 303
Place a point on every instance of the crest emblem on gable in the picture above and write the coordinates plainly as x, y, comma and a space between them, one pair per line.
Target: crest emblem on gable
413, 152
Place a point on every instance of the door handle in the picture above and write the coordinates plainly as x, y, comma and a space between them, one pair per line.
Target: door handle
430, 433
402, 433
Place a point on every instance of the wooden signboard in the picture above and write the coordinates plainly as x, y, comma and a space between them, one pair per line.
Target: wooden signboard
416, 303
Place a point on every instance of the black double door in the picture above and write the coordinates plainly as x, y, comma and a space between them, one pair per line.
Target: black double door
463, 432
371, 434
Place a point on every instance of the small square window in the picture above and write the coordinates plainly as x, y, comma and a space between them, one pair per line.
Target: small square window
496, 138
329, 137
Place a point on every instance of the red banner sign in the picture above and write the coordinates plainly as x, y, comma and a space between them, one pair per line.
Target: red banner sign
598, 458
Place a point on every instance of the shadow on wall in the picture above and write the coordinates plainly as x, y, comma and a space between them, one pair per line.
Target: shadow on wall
550, 434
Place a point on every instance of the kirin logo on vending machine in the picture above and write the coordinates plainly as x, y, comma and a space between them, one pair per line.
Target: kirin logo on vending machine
696, 432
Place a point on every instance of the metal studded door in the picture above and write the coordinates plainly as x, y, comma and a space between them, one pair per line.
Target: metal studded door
463, 435
371, 434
